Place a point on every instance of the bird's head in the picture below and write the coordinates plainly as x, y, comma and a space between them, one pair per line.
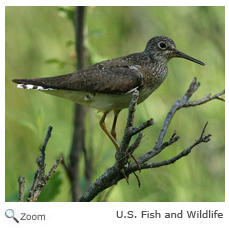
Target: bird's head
162, 48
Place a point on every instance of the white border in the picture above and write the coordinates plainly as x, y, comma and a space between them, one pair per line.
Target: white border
104, 214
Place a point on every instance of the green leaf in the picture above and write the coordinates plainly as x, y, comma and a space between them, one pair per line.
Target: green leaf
70, 43
66, 12
49, 61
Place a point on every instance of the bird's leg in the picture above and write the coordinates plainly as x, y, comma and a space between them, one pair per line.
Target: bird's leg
112, 135
103, 126
113, 132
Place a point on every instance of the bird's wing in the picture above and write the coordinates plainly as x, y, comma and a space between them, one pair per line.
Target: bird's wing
102, 77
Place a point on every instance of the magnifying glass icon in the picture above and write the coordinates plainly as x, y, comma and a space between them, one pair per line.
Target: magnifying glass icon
9, 213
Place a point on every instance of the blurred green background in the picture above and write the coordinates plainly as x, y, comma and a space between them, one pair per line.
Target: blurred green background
39, 43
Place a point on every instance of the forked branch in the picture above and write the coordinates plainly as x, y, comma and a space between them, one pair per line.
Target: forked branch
114, 173
40, 178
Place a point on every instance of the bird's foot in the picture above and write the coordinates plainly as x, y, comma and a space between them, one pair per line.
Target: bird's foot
124, 174
129, 162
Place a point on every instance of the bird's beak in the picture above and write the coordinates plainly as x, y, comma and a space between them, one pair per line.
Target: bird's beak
184, 56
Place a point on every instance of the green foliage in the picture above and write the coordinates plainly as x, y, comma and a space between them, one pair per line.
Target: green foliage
66, 12
41, 49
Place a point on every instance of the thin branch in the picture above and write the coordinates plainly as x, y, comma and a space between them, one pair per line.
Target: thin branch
205, 99
135, 144
53, 169
202, 133
78, 139
47, 137
40, 179
130, 130
179, 103
33, 185
21, 182
185, 152
41, 160
132, 109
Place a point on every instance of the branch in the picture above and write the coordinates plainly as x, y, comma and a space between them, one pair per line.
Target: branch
130, 130
205, 99
115, 174
40, 179
203, 138
21, 182
183, 103
78, 139
41, 160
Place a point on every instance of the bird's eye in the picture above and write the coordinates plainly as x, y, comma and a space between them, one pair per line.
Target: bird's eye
162, 45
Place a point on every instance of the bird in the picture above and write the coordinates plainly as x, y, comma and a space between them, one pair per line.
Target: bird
108, 85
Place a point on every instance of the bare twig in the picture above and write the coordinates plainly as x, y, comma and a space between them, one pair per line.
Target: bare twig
33, 185
21, 182
41, 160
185, 152
135, 144
205, 99
40, 179
202, 133
179, 104
53, 169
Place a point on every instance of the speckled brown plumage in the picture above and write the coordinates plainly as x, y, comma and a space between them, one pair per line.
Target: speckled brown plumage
107, 85
119, 75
